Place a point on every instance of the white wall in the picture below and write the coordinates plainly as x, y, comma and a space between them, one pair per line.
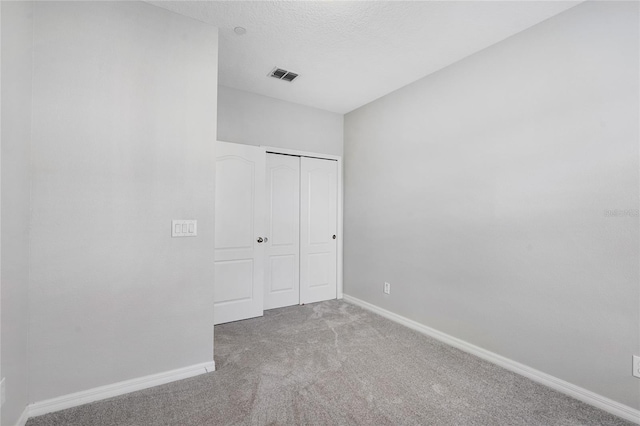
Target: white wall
252, 119
17, 27
124, 125
479, 193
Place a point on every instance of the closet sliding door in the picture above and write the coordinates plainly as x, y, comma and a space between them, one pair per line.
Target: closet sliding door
282, 249
318, 229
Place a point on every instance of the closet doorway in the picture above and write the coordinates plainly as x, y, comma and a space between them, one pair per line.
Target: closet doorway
290, 204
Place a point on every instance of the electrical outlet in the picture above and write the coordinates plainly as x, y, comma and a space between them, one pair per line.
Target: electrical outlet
387, 288
636, 366
3, 393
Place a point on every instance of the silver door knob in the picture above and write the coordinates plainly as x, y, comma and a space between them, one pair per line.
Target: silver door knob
334, 236
266, 239
259, 240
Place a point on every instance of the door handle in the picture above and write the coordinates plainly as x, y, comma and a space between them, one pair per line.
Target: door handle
259, 240
334, 236
266, 239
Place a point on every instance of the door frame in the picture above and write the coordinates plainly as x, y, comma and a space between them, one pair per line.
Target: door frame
338, 158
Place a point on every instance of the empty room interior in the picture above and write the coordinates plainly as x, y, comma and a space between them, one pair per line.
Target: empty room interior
320, 213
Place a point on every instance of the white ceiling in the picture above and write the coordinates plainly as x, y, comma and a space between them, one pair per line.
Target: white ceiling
349, 53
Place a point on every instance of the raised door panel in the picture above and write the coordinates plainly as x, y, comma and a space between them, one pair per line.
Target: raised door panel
235, 207
283, 271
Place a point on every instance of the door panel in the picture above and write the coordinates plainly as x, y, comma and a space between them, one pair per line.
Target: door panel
319, 265
239, 258
239, 271
319, 192
318, 225
235, 212
282, 274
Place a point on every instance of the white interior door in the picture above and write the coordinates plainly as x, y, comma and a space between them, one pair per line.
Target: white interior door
282, 250
239, 224
318, 229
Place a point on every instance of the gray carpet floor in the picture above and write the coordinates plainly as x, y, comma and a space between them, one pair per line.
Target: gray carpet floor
333, 363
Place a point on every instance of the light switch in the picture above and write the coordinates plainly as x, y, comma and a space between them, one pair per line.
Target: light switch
184, 228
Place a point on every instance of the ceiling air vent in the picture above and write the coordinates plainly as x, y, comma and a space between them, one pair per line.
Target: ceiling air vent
281, 74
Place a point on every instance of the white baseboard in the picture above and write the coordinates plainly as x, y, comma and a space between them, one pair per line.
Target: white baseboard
116, 389
23, 418
584, 395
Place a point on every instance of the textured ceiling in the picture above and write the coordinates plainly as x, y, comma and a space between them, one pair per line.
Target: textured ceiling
350, 53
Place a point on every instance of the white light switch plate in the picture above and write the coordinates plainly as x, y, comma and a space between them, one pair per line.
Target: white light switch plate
184, 228
636, 366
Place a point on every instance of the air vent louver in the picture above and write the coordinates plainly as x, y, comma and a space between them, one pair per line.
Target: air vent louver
281, 74
290, 76
278, 73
